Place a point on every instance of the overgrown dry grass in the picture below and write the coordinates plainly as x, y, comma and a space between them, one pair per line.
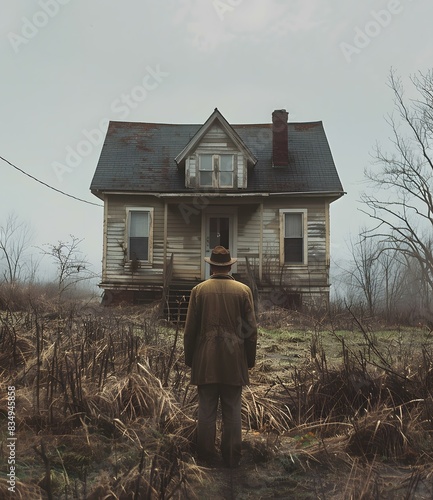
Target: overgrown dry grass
104, 409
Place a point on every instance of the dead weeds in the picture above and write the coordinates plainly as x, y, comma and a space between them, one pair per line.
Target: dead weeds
104, 410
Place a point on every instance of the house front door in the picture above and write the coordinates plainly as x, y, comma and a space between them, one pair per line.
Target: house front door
219, 230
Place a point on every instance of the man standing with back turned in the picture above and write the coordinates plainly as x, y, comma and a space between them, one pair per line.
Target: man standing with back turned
220, 345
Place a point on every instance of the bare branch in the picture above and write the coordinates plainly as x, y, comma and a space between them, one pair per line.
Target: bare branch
15, 239
400, 200
72, 267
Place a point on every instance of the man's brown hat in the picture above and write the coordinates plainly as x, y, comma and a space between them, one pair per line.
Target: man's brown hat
220, 257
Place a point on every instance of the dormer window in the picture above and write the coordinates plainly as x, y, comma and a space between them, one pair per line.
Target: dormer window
216, 171
215, 157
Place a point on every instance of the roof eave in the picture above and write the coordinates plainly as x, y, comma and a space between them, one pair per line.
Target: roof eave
332, 195
197, 194
98, 193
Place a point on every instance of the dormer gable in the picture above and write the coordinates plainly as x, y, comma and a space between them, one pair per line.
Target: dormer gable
216, 157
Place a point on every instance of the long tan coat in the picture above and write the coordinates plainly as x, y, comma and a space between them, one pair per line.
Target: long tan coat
220, 335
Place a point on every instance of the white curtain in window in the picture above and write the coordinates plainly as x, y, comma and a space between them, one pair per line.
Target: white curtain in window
293, 226
139, 225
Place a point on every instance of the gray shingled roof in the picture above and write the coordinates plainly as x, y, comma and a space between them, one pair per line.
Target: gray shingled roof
140, 157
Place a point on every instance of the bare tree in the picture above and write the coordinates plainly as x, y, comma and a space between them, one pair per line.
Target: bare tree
72, 266
364, 274
402, 199
393, 294
15, 239
360, 276
377, 280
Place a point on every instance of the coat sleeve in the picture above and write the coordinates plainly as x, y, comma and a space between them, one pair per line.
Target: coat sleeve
191, 329
249, 332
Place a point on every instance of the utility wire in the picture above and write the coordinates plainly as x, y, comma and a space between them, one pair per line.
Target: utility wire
47, 185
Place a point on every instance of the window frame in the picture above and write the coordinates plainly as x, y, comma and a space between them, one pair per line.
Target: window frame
149, 211
216, 170
304, 213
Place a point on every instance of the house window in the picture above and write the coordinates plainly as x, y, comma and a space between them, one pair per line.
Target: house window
139, 234
293, 245
206, 170
216, 171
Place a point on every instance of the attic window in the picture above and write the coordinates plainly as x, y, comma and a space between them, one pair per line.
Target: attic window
216, 171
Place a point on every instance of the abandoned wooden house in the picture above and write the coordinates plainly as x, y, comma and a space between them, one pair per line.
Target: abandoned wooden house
172, 192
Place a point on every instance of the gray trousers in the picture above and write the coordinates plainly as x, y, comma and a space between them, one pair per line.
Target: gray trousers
231, 439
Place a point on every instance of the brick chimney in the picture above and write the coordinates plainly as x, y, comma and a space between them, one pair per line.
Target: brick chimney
280, 142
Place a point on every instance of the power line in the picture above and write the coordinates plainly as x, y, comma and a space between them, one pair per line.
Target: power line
47, 185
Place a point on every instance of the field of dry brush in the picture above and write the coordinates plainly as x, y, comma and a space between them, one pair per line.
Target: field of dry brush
103, 409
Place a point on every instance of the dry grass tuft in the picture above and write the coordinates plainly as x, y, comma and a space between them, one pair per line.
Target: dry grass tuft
263, 413
390, 433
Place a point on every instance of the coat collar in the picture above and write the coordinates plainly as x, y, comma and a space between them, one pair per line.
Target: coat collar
221, 276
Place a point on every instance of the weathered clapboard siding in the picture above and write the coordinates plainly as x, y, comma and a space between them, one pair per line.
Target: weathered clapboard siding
248, 243
241, 171
315, 271
116, 268
258, 238
191, 169
217, 141
184, 240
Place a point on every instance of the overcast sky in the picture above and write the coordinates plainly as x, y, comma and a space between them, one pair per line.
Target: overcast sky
69, 66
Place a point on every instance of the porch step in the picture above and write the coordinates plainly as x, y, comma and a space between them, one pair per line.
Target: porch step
176, 304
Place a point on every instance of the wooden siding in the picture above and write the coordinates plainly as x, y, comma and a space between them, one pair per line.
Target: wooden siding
180, 234
248, 237
180, 237
191, 173
241, 171
315, 272
117, 269
184, 239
